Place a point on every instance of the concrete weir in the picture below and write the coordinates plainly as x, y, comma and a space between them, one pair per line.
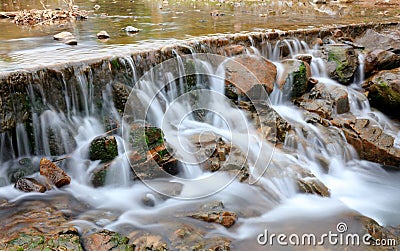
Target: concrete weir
28, 91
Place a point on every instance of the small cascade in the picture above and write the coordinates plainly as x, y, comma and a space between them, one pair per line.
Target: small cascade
187, 108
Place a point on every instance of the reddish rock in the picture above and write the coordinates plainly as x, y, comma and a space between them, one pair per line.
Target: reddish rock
53, 173
233, 50
30, 185
105, 240
214, 212
245, 74
380, 60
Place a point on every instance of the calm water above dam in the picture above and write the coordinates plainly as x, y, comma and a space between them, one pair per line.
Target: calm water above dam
160, 22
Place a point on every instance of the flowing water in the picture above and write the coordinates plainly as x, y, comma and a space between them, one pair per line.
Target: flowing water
28, 46
271, 201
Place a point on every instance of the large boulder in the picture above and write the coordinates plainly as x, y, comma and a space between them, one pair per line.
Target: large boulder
370, 141
294, 78
380, 60
384, 91
373, 40
342, 62
326, 100
103, 148
245, 74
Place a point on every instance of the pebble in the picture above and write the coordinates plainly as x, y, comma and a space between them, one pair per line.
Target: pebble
103, 35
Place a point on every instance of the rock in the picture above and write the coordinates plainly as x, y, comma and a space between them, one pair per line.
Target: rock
150, 156
106, 240
103, 35
103, 148
242, 73
380, 60
373, 40
96, 7
305, 58
20, 169
342, 62
371, 142
53, 173
338, 33
214, 212
216, 13
294, 78
131, 29
62, 35
336, 94
313, 186
29, 185
66, 37
384, 91
233, 50
147, 241
120, 95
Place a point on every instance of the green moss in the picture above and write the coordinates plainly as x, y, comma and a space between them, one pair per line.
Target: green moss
115, 64
383, 97
103, 148
299, 81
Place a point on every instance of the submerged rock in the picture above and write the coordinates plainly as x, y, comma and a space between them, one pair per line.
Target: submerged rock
53, 173
131, 29
102, 35
214, 212
246, 74
294, 78
106, 240
103, 148
342, 62
22, 168
29, 185
384, 91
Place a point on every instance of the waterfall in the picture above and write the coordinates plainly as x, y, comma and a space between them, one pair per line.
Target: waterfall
167, 98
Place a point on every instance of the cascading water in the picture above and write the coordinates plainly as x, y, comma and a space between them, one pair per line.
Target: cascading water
276, 204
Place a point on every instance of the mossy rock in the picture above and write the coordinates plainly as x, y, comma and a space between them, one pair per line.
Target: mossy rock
28, 242
296, 74
107, 240
342, 62
384, 91
24, 167
104, 148
146, 138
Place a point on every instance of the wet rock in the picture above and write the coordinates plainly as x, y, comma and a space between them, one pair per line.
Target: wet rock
233, 50
373, 40
106, 240
22, 168
338, 33
294, 78
371, 142
326, 100
64, 241
120, 95
29, 185
66, 37
380, 60
242, 73
305, 58
313, 186
216, 13
53, 173
214, 212
102, 35
103, 148
342, 62
131, 29
384, 91
147, 241
190, 238
150, 155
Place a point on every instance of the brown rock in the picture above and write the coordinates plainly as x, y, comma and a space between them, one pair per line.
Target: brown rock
380, 60
214, 212
53, 173
338, 33
233, 50
305, 58
105, 240
30, 185
245, 74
